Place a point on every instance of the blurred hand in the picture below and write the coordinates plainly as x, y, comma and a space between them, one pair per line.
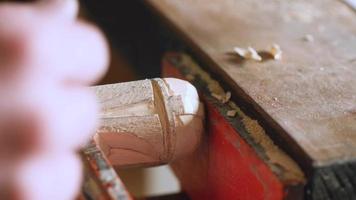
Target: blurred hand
47, 60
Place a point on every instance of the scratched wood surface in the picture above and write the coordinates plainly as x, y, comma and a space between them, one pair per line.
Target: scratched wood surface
231, 162
310, 95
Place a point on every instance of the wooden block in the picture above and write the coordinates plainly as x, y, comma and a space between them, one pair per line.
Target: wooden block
306, 99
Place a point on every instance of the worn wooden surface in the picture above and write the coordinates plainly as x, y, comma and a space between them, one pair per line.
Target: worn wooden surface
310, 95
232, 162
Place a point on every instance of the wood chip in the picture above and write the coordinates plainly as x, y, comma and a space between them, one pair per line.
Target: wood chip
226, 97
249, 53
217, 96
252, 54
308, 38
240, 51
190, 77
276, 52
222, 98
231, 113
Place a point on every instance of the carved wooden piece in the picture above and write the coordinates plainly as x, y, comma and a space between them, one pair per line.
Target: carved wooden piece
148, 122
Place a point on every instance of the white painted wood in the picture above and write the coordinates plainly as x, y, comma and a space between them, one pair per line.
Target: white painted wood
148, 122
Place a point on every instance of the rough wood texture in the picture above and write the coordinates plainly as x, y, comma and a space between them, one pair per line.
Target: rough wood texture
233, 161
311, 92
148, 122
308, 98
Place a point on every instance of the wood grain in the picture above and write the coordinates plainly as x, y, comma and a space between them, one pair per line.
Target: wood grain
310, 95
232, 161
148, 122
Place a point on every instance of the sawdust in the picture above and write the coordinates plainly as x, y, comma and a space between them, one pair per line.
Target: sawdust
189, 77
231, 113
217, 96
227, 97
222, 98
276, 157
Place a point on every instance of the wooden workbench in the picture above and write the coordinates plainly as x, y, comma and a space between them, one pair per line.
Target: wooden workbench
307, 101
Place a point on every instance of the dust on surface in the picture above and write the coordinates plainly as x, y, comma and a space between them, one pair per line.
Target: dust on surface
276, 157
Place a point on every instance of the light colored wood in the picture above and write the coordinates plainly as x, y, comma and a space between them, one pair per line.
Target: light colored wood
310, 95
148, 122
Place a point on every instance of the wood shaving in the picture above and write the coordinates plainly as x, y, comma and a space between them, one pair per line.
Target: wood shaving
190, 77
240, 51
276, 52
308, 38
231, 113
217, 96
226, 97
249, 53
275, 155
252, 54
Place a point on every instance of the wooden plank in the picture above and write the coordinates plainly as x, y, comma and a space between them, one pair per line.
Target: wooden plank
308, 98
310, 94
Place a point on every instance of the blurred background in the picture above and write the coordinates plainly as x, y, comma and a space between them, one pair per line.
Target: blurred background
136, 40
136, 48
137, 45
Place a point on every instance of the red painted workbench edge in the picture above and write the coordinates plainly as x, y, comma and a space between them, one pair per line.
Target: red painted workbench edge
225, 166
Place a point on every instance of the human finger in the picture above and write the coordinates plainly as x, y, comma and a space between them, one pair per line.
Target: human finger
49, 176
